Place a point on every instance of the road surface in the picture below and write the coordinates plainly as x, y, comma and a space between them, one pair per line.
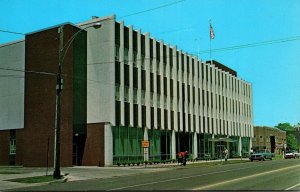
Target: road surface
257, 175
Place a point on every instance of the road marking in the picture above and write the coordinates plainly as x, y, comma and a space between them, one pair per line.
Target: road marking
292, 187
246, 177
180, 178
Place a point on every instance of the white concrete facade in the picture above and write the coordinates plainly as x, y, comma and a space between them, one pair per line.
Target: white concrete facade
182, 92
226, 106
12, 81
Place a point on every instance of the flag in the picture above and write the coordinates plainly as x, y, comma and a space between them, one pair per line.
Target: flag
212, 34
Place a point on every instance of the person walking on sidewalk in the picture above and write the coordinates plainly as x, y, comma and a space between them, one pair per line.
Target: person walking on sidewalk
226, 154
182, 156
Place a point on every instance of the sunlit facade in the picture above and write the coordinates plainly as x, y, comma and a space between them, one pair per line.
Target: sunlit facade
162, 94
128, 88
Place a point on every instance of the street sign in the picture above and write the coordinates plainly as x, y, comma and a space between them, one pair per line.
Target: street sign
146, 151
145, 143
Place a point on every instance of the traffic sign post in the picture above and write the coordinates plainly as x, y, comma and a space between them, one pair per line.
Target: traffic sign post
145, 145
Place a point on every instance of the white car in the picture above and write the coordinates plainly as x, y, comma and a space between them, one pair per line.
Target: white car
297, 155
291, 154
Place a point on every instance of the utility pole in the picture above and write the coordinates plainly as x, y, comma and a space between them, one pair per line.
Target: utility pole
63, 48
59, 88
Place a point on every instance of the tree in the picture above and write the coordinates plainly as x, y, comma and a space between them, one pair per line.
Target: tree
285, 127
291, 139
292, 142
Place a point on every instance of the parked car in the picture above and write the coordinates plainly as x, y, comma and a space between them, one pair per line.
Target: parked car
261, 155
291, 154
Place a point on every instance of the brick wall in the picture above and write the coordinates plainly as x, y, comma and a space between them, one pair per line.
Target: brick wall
94, 146
4, 147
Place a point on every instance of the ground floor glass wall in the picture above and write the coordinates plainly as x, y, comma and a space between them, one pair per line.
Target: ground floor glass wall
155, 144
245, 146
127, 144
234, 147
204, 146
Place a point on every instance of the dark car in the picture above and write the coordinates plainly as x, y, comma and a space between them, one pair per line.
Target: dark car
261, 155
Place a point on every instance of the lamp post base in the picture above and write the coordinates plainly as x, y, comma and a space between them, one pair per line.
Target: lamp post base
56, 174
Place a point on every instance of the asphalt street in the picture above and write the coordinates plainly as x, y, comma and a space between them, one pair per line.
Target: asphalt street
259, 175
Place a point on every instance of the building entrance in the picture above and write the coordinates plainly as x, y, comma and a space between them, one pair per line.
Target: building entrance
273, 145
78, 148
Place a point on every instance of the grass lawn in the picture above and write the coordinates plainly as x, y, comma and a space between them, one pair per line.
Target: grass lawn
37, 179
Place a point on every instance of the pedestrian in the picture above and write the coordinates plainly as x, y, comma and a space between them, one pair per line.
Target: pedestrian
185, 156
180, 157
226, 154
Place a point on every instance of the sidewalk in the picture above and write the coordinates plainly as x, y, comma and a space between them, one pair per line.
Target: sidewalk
70, 174
79, 172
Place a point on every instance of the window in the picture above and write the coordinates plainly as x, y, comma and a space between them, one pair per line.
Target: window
151, 82
117, 92
135, 92
143, 61
165, 102
126, 93
143, 79
143, 97
126, 52
151, 99
12, 148
117, 73
126, 75
134, 58
158, 67
117, 52
151, 65
158, 99
12, 143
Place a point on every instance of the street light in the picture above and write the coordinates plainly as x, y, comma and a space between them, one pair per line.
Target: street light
59, 87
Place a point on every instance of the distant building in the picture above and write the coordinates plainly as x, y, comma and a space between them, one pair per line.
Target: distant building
121, 87
269, 138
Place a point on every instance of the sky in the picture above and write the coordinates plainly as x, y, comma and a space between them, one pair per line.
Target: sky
260, 39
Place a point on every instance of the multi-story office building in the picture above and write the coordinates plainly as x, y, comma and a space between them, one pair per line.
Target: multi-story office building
132, 88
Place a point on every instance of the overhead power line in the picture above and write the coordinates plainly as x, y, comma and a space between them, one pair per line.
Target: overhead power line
294, 38
140, 12
152, 9
27, 71
12, 32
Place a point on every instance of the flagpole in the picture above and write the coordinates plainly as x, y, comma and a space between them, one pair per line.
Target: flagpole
210, 42
198, 50
210, 49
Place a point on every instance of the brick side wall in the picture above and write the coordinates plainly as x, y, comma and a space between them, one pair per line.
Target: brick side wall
4, 147
41, 55
94, 146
